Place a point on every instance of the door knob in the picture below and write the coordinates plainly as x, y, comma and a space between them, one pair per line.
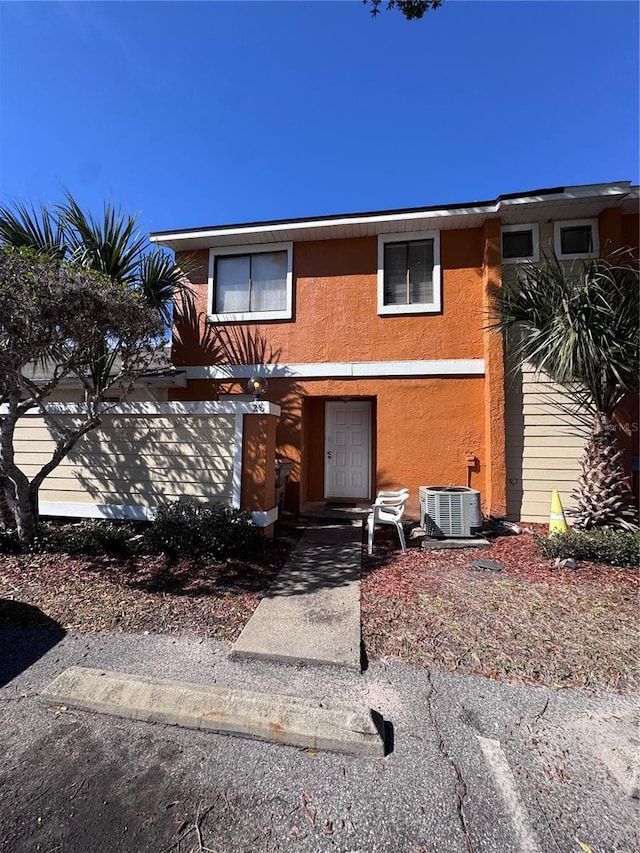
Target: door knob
328, 454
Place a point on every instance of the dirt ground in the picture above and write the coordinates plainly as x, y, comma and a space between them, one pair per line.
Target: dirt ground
527, 622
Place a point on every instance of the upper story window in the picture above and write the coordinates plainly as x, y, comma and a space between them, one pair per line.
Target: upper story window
576, 238
409, 273
520, 243
251, 285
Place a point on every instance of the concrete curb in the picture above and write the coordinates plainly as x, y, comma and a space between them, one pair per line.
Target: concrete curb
277, 718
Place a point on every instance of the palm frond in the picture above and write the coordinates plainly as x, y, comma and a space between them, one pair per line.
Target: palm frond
161, 282
578, 326
25, 226
113, 245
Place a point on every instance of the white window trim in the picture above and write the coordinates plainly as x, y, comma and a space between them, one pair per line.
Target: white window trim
570, 223
535, 235
260, 316
421, 307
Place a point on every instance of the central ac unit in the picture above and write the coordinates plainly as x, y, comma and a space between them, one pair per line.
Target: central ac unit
450, 510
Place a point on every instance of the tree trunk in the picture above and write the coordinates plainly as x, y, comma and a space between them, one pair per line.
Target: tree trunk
26, 520
12, 478
603, 496
6, 502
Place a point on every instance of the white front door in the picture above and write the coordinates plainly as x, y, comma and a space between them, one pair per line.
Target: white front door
347, 449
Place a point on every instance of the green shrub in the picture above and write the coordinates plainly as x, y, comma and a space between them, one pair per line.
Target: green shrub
614, 547
186, 529
92, 538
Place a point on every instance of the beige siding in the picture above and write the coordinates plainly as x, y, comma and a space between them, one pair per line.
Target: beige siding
545, 438
138, 395
137, 461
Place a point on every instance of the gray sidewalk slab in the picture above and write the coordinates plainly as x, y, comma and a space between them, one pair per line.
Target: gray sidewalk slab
311, 613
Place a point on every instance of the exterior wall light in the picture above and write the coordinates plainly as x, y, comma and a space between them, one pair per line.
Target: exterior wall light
257, 386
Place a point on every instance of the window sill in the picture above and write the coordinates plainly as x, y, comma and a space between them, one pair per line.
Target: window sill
533, 259
250, 316
395, 310
577, 256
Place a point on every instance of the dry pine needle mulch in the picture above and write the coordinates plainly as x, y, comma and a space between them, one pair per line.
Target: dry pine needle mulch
528, 622
205, 597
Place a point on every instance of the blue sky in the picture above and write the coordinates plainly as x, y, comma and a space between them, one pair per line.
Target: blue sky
207, 113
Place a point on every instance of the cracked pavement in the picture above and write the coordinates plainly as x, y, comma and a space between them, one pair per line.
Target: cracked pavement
476, 765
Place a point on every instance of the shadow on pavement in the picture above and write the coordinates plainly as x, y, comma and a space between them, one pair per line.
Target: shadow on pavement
327, 556
26, 634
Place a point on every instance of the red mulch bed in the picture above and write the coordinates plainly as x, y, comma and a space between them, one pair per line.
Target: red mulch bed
528, 622
203, 597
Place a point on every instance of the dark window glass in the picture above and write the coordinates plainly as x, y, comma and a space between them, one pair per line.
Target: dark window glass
408, 273
517, 244
576, 240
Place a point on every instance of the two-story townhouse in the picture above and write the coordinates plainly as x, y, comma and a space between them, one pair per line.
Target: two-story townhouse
375, 341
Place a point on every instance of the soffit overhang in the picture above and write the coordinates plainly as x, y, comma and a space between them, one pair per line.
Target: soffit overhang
578, 202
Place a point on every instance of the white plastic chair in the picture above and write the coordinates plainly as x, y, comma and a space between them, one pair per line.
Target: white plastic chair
388, 509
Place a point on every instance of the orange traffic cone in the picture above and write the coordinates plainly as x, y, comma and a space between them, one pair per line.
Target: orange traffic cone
557, 521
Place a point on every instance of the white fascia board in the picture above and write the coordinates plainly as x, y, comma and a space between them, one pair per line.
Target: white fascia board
433, 367
323, 223
594, 190
345, 369
620, 189
177, 380
206, 408
570, 193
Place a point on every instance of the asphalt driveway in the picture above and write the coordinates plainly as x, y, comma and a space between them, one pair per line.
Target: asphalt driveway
476, 765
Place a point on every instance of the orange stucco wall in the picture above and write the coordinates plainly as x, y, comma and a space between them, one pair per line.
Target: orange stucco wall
258, 486
495, 461
618, 231
630, 229
335, 306
424, 429
436, 430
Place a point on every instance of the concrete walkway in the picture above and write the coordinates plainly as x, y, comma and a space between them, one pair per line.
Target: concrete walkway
311, 613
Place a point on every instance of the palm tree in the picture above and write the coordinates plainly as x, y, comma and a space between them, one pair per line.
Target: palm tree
28, 227
112, 245
581, 327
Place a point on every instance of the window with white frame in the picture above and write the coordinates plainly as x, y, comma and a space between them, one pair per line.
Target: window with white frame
576, 238
252, 284
409, 273
520, 243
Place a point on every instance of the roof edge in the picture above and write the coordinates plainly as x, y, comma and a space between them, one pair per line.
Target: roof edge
619, 188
